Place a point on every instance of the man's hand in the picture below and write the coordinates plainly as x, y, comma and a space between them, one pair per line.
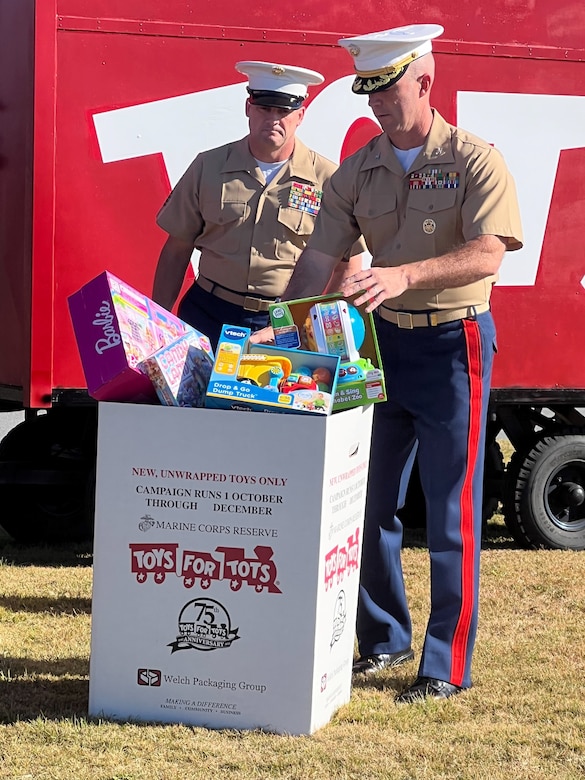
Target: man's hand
377, 284
263, 336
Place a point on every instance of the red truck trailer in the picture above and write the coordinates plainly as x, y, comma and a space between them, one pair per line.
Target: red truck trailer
104, 103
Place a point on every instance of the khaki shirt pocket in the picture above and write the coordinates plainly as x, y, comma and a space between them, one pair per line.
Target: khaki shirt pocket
377, 217
436, 211
222, 226
293, 230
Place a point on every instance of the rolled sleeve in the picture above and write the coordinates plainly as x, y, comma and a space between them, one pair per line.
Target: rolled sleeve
180, 215
336, 230
491, 205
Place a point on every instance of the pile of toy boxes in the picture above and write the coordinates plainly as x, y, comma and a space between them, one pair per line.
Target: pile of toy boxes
325, 357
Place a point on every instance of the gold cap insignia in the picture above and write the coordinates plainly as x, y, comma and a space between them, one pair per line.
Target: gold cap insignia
278, 70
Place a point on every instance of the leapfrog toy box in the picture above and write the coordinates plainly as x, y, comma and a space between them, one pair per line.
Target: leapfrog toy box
180, 372
334, 325
256, 377
116, 327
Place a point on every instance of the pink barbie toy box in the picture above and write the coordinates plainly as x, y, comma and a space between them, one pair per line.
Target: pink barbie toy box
116, 327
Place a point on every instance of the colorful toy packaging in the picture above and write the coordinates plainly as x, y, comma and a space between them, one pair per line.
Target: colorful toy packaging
180, 372
330, 324
270, 379
117, 327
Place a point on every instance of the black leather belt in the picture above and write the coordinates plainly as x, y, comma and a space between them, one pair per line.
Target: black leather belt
428, 319
248, 302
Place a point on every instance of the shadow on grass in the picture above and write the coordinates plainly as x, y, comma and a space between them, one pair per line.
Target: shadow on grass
45, 555
28, 699
41, 604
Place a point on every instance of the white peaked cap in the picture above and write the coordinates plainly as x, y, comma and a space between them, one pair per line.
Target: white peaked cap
274, 77
381, 58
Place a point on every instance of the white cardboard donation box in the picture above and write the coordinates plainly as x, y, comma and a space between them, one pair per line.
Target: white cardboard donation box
226, 564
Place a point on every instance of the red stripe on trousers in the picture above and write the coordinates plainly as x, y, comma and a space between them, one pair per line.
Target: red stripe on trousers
468, 587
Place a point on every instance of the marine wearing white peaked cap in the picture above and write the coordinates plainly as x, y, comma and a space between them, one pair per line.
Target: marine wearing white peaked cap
281, 86
381, 58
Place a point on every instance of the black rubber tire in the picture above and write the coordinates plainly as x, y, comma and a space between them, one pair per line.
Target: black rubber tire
510, 510
51, 513
544, 496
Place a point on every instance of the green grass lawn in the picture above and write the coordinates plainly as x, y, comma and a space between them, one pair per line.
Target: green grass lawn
524, 719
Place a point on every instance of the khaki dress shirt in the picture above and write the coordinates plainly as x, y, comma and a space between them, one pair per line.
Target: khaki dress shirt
458, 188
250, 234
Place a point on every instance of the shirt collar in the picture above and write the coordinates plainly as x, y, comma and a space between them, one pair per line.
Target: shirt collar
436, 148
300, 164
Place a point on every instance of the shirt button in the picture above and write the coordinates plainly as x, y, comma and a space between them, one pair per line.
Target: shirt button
398, 246
431, 207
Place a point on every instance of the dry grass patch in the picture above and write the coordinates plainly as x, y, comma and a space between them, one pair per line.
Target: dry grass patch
524, 718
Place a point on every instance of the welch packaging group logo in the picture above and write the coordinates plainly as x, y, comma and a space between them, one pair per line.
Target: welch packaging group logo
150, 677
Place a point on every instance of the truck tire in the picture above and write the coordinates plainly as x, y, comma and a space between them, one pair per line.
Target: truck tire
544, 505
52, 457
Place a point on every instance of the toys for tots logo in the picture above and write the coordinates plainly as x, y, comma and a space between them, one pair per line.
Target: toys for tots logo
225, 563
204, 624
342, 560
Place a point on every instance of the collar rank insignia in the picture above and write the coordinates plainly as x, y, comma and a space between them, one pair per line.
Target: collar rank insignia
305, 197
435, 179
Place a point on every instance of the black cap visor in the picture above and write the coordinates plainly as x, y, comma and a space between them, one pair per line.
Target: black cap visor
363, 85
260, 97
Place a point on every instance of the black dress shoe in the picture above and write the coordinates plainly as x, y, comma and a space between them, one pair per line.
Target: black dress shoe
424, 687
374, 663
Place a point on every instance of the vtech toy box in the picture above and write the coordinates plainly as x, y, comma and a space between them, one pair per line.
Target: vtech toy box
264, 378
116, 327
333, 325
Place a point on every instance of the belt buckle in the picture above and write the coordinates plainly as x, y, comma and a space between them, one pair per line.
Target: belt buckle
408, 324
252, 304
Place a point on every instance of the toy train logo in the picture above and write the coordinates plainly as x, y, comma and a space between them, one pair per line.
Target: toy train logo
226, 563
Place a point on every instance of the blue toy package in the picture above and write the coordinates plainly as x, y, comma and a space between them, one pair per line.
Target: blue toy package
181, 371
330, 324
265, 378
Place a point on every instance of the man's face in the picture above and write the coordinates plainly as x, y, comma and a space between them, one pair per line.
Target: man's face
398, 108
273, 128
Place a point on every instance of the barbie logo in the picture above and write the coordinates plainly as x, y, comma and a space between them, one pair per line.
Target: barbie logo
104, 319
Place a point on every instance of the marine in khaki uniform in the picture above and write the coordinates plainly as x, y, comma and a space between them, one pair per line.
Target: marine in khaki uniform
249, 207
437, 207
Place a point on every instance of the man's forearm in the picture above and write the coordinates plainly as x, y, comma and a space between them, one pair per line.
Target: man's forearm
170, 272
344, 270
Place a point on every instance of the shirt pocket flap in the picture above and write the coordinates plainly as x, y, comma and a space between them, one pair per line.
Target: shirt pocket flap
369, 206
432, 200
300, 222
230, 211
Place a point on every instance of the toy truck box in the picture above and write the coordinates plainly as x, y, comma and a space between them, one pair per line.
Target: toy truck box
180, 372
260, 378
331, 324
116, 328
